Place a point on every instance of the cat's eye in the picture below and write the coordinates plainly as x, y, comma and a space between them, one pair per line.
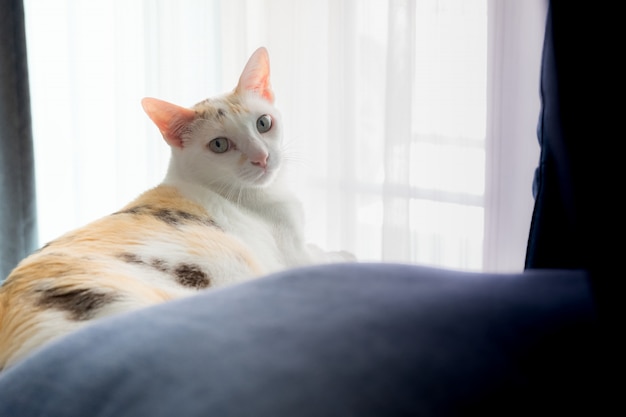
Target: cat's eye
264, 123
219, 145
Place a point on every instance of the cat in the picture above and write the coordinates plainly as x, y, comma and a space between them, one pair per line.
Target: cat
222, 215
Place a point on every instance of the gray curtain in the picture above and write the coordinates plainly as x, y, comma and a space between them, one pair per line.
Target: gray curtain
18, 224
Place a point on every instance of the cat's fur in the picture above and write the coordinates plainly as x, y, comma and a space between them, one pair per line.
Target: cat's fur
217, 218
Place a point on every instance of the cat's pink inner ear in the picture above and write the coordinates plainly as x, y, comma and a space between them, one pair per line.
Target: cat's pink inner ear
256, 75
172, 120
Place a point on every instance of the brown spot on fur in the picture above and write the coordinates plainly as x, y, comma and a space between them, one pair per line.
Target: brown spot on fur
156, 263
159, 265
169, 216
186, 216
176, 217
135, 210
193, 276
130, 258
80, 303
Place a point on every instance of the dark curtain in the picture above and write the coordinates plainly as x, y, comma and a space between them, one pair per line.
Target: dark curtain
18, 226
577, 220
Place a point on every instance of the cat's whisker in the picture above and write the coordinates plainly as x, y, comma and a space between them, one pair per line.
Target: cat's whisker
223, 185
237, 191
239, 196
297, 159
230, 191
292, 153
233, 193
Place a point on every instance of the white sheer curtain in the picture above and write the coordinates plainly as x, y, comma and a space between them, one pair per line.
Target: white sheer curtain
413, 121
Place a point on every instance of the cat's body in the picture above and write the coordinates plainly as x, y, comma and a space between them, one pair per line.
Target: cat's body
222, 215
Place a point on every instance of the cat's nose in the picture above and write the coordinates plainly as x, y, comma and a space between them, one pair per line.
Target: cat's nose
260, 160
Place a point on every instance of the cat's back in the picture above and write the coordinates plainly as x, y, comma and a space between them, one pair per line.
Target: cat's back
160, 246
159, 233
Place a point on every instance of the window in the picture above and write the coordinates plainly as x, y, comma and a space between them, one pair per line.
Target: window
409, 124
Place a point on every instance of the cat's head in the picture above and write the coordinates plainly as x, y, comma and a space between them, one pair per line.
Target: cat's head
229, 141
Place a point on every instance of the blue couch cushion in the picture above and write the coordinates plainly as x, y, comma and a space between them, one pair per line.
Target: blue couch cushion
345, 340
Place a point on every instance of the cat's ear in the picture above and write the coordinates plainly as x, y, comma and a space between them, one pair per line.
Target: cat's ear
256, 75
172, 120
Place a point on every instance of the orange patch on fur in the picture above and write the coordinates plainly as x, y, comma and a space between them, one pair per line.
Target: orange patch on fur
100, 257
221, 107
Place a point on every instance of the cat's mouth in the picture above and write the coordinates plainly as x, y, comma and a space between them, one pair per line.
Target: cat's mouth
262, 176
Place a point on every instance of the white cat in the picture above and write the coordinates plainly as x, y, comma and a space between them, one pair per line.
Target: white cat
222, 215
